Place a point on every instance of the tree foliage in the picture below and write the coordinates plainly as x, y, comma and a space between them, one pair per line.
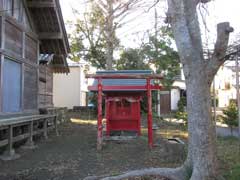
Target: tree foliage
159, 52
230, 115
181, 113
87, 40
132, 59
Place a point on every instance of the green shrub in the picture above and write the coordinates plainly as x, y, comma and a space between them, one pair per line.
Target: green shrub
230, 116
181, 113
182, 103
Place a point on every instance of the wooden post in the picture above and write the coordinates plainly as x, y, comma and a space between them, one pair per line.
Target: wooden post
30, 144
237, 90
45, 128
10, 149
214, 102
99, 123
149, 97
56, 126
159, 103
107, 117
2, 46
31, 133
9, 154
139, 117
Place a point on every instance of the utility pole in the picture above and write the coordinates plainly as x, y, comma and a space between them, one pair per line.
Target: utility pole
214, 101
156, 34
237, 89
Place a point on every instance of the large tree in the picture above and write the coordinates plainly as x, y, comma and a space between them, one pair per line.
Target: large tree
114, 12
199, 73
201, 162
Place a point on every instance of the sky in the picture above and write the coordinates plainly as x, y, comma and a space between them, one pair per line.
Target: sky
142, 20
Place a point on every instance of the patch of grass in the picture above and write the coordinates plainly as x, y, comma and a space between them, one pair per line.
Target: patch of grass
234, 173
229, 157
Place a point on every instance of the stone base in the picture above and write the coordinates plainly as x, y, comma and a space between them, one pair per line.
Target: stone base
29, 145
8, 156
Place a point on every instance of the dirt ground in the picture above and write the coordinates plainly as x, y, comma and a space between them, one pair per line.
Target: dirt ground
73, 155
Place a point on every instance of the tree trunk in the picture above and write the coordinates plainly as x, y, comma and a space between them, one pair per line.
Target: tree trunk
199, 73
109, 36
202, 135
201, 163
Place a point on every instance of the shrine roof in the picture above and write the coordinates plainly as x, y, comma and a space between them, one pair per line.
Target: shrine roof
136, 84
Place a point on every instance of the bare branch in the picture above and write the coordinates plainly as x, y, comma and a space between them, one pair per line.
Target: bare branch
184, 40
202, 1
155, 3
223, 31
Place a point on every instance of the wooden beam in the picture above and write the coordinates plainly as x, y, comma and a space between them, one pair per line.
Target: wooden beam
99, 117
50, 35
62, 26
29, 16
149, 116
125, 87
124, 76
1, 82
40, 4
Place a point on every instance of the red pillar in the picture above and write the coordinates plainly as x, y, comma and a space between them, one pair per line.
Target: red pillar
99, 122
107, 110
149, 97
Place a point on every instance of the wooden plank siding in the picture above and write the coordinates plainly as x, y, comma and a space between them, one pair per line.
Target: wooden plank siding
31, 50
24, 32
30, 88
45, 86
18, 43
13, 39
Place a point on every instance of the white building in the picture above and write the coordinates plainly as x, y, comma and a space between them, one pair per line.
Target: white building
225, 83
71, 89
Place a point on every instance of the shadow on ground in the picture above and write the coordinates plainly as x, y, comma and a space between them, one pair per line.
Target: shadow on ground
73, 155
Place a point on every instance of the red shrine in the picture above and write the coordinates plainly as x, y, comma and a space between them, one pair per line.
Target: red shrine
123, 91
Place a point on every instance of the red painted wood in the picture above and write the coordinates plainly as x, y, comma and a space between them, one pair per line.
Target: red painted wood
149, 96
123, 112
107, 103
109, 88
99, 123
124, 76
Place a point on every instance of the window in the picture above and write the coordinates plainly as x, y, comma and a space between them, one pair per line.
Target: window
8, 7
12, 85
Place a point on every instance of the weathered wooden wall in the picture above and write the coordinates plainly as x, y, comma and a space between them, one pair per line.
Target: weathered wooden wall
45, 86
20, 44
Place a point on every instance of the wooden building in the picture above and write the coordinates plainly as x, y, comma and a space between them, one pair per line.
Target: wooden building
33, 46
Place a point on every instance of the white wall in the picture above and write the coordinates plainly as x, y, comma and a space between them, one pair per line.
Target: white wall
66, 89
175, 96
225, 76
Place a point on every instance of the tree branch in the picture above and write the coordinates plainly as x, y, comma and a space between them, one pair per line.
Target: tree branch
223, 31
174, 174
193, 26
176, 17
154, 4
202, 1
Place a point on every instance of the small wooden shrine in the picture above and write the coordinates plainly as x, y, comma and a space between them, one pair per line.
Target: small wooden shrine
123, 91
